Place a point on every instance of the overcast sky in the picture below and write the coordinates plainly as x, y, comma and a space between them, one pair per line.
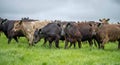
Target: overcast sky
78, 10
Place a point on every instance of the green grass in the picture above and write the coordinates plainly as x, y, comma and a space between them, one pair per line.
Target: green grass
21, 54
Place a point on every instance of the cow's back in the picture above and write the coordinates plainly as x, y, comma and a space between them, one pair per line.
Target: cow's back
112, 32
40, 24
84, 28
51, 28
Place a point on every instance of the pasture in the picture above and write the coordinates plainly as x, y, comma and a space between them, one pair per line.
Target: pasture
21, 54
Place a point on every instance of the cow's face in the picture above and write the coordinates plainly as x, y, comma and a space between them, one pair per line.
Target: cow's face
118, 22
63, 26
2, 21
17, 26
36, 36
93, 28
104, 21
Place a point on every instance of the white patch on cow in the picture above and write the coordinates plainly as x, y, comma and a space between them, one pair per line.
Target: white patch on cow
33, 23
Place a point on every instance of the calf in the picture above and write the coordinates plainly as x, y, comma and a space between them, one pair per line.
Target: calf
28, 28
51, 32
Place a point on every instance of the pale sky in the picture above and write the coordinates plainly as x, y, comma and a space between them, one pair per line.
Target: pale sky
73, 10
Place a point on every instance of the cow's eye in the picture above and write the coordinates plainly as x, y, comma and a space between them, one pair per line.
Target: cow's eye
35, 35
40, 32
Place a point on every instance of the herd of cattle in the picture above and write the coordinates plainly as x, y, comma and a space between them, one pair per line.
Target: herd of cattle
68, 31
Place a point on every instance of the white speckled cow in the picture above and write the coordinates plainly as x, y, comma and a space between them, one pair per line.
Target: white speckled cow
28, 28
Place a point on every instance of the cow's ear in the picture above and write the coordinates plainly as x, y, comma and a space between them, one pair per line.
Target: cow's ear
118, 23
58, 24
39, 31
68, 24
4, 21
100, 20
90, 24
20, 22
108, 19
100, 25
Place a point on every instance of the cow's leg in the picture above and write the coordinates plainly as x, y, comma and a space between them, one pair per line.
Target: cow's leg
15, 38
90, 43
103, 43
74, 44
70, 44
30, 43
57, 43
119, 44
102, 46
98, 42
66, 44
98, 45
94, 42
9, 40
50, 43
79, 43
30, 38
105, 40
45, 40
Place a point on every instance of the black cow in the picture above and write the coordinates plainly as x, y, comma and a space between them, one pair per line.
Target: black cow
6, 27
51, 32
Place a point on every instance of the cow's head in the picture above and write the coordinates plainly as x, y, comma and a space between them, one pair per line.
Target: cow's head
2, 21
17, 26
94, 27
118, 22
63, 26
37, 35
104, 21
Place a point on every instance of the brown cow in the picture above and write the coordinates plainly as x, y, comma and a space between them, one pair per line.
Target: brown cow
72, 34
105, 33
28, 28
87, 30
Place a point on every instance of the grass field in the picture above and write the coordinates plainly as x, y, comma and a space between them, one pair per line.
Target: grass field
21, 54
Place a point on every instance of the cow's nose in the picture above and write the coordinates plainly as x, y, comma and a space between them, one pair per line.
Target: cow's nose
14, 30
93, 33
62, 33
